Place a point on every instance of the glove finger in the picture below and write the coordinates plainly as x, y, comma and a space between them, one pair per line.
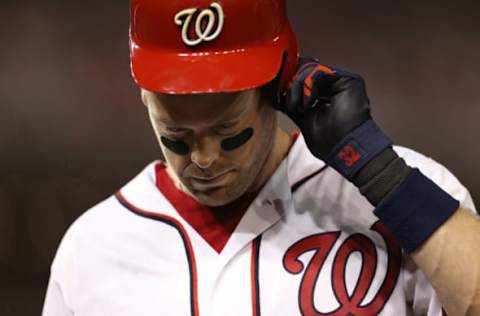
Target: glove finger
315, 70
321, 91
302, 94
290, 96
294, 96
344, 73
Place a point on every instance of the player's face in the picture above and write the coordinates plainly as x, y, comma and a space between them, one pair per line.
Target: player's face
215, 145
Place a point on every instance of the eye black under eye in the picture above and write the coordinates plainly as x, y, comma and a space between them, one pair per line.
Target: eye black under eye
181, 148
237, 141
177, 146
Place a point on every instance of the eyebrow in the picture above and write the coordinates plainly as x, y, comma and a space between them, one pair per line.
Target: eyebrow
235, 116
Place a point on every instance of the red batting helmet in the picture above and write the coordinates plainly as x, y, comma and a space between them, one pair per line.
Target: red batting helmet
203, 46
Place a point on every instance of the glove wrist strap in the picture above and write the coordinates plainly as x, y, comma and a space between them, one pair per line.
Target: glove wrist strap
408, 203
381, 175
357, 149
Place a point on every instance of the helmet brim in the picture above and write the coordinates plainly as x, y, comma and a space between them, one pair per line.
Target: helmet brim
209, 72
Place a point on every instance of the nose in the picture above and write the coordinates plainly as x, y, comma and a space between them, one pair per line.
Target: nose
205, 152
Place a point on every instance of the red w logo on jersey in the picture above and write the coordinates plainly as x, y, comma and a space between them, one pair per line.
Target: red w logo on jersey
350, 304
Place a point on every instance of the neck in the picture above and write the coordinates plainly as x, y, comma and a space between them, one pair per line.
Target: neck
281, 145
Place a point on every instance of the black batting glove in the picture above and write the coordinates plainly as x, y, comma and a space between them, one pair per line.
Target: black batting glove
332, 110
326, 103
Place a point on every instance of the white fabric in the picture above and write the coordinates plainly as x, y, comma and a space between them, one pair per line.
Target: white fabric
113, 261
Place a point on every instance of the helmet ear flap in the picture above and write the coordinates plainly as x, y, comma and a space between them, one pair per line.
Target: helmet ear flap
274, 89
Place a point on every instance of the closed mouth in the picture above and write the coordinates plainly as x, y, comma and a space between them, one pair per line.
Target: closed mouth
210, 181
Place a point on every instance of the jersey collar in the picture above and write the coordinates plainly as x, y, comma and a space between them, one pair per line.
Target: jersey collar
266, 209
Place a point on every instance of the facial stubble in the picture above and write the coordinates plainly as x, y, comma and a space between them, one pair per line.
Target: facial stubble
243, 183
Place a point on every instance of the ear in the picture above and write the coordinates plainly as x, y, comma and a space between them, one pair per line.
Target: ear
143, 95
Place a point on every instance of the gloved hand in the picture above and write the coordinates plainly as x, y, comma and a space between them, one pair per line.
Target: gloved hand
332, 110
326, 104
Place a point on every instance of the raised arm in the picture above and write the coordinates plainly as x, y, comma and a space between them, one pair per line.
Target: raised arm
332, 110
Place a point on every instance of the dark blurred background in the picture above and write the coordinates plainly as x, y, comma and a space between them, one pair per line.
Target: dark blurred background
73, 129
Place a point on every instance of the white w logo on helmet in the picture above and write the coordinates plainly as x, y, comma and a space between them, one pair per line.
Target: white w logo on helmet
207, 34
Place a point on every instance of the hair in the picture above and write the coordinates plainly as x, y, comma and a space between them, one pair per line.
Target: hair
269, 92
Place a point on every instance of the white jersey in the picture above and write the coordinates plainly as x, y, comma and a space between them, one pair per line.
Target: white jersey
309, 244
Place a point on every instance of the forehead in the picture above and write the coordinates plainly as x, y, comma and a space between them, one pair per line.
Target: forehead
200, 109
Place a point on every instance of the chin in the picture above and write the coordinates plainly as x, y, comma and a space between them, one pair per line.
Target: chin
216, 197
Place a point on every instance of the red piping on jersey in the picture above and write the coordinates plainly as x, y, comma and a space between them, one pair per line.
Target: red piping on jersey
214, 224
183, 234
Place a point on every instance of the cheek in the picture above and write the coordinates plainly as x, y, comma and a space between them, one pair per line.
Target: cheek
177, 163
247, 149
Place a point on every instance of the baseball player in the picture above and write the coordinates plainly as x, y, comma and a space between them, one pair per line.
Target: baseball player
242, 218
